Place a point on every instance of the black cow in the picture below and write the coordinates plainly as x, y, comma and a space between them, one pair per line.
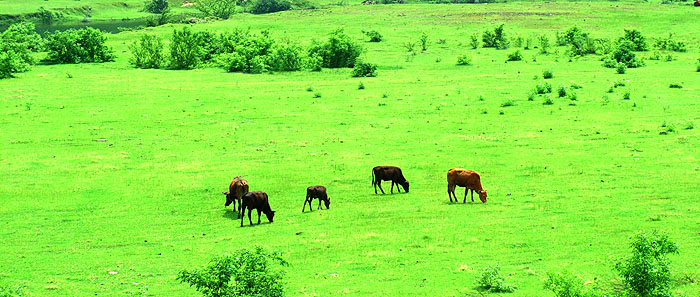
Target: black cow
256, 200
391, 173
316, 192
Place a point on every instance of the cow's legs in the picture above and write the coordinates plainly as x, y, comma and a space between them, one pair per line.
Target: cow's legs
379, 183
466, 190
397, 187
472, 195
258, 217
319, 203
449, 192
242, 215
375, 186
305, 201
392, 187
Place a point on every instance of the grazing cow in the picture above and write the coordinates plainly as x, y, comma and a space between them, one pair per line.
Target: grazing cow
258, 201
464, 178
391, 173
236, 190
316, 192
696, 3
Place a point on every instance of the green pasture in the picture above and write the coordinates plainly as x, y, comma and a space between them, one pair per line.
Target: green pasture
108, 168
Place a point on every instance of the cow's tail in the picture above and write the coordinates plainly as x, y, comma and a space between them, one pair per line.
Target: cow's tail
373, 181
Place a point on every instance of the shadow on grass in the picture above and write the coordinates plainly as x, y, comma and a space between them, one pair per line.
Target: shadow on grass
230, 214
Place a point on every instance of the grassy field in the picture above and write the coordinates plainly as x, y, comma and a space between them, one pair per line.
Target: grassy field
568, 183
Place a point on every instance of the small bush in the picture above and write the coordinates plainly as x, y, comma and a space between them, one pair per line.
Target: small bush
688, 126
623, 53
646, 272
23, 34
47, 16
218, 8
697, 66
544, 44
361, 86
364, 69
410, 47
339, 51
85, 45
547, 74
247, 272
495, 38
626, 96
508, 103
515, 56
156, 6
147, 52
618, 83
572, 96
637, 39
543, 88
492, 281
547, 101
374, 36
16, 44
621, 68
518, 42
317, 95
314, 62
286, 56
423, 42
655, 56
580, 43
464, 60
474, 41
675, 86
269, 6
531, 96
528, 43
232, 62
670, 44
561, 91
566, 285
185, 49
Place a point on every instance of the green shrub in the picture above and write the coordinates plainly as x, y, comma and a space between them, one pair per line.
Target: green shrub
675, 86
561, 91
508, 103
185, 49
16, 44
338, 51
517, 41
528, 43
147, 52
156, 6
474, 41
543, 88
286, 56
547, 74
544, 44
269, 6
47, 16
531, 96
23, 34
515, 56
566, 285
218, 8
85, 45
423, 39
374, 36
626, 96
547, 101
646, 272
621, 68
623, 53
247, 272
364, 69
464, 60
697, 66
637, 39
361, 86
572, 96
492, 281
495, 38
314, 62
578, 40
670, 44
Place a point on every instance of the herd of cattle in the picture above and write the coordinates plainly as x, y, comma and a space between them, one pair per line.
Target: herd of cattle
238, 190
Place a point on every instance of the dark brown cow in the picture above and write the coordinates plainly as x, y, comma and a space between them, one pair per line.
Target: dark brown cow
696, 3
236, 190
258, 201
316, 192
464, 178
391, 173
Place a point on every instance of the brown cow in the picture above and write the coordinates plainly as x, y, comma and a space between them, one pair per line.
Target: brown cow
316, 192
258, 201
464, 178
391, 173
236, 190
696, 3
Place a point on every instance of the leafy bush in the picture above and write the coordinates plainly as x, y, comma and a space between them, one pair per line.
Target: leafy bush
623, 53
85, 45
492, 281
697, 65
637, 39
464, 60
543, 88
423, 41
561, 91
364, 69
314, 62
528, 43
626, 96
217, 8
185, 49
508, 103
48, 16
646, 272
547, 74
361, 86
147, 52
339, 51
474, 41
517, 42
547, 101
620, 68
11, 62
670, 44
544, 44
675, 86
566, 285
495, 38
23, 34
244, 273
270, 6
286, 56
515, 56
580, 43
374, 36
156, 6
16, 44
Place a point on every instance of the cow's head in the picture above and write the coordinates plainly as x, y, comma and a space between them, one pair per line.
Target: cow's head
270, 215
229, 198
482, 196
328, 202
405, 186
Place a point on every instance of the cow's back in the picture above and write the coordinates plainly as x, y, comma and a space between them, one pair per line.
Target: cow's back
463, 177
256, 200
316, 192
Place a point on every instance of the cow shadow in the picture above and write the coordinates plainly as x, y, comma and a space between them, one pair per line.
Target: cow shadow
230, 214
447, 202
